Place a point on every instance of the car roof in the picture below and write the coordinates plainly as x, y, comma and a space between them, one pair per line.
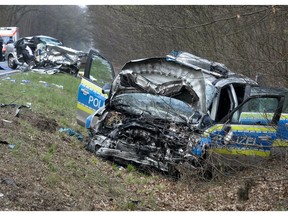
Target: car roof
268, 91
215, 73
38, 36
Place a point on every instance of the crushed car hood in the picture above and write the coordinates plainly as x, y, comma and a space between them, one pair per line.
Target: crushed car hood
63, 50
149, 115
158, 108
160, 77
63, 55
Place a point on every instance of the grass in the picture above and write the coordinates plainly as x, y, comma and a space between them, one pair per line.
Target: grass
48, 100
53, 162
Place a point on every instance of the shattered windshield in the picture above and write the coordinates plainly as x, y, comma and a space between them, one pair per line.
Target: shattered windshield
51, 41
154, 106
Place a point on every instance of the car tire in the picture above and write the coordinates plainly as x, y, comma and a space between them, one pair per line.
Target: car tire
74, 70
11, 62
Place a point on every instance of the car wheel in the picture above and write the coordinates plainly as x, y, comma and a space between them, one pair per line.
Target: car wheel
11, 62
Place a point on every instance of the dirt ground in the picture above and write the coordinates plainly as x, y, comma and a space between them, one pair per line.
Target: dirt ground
42, 169
19, 186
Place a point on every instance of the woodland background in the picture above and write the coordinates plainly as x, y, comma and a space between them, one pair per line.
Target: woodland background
251, 40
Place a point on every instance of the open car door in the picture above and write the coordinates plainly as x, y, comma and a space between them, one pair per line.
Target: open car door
98, 72
250, 130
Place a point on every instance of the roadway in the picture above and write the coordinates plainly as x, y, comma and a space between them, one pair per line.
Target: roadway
5, 70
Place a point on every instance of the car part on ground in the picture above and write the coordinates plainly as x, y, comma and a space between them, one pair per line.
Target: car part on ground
71, 132
43, 54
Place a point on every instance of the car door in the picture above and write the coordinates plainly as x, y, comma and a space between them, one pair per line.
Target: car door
250, 130
98, 72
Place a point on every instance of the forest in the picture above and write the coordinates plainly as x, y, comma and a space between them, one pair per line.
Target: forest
248, 39
43, 168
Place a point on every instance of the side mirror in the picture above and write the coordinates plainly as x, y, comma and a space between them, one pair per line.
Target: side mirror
106, 88
206, 121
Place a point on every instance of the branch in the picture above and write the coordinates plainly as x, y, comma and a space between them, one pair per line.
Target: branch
194, 26
248, 26
221, 20
22, 15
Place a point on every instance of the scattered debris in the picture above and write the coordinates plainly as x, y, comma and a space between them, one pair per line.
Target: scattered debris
41, 82
7, 121
9, 79
71, 132
9, 181
120, 168
4, 142
57, 86
52, 84
44, 83
25, 81
11, 146
18, 107
136, 202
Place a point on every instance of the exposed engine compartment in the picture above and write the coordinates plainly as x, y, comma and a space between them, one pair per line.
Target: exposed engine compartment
151, 142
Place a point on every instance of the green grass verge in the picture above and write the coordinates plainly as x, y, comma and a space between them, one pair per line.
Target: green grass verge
55, 170
45, 98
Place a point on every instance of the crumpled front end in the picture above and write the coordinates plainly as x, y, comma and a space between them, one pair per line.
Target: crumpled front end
152, 115
44, 55
142, 141
58, 58
63, 55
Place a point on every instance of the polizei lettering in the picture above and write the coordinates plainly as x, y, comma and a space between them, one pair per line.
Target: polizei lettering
96, 102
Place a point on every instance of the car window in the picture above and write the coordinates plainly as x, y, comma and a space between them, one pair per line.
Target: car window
162, 107
281, 91
5, 39
51, 41
256, 111
100, 71
285, 106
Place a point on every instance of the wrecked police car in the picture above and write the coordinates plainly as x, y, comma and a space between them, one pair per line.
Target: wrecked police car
256, 128
43, 53
162, 112
165, 111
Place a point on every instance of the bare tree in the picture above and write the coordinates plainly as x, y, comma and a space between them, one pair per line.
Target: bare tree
251, 40
67, 23
248, 39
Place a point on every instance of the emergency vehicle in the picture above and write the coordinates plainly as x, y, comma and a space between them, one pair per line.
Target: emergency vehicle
7, 33
165, 111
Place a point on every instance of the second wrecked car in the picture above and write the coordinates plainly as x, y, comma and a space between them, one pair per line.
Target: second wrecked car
160, 111
43, 53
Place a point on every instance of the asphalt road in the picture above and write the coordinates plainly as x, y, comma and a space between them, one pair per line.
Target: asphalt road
5, 70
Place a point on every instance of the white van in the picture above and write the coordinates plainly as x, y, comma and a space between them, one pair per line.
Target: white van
9, 35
